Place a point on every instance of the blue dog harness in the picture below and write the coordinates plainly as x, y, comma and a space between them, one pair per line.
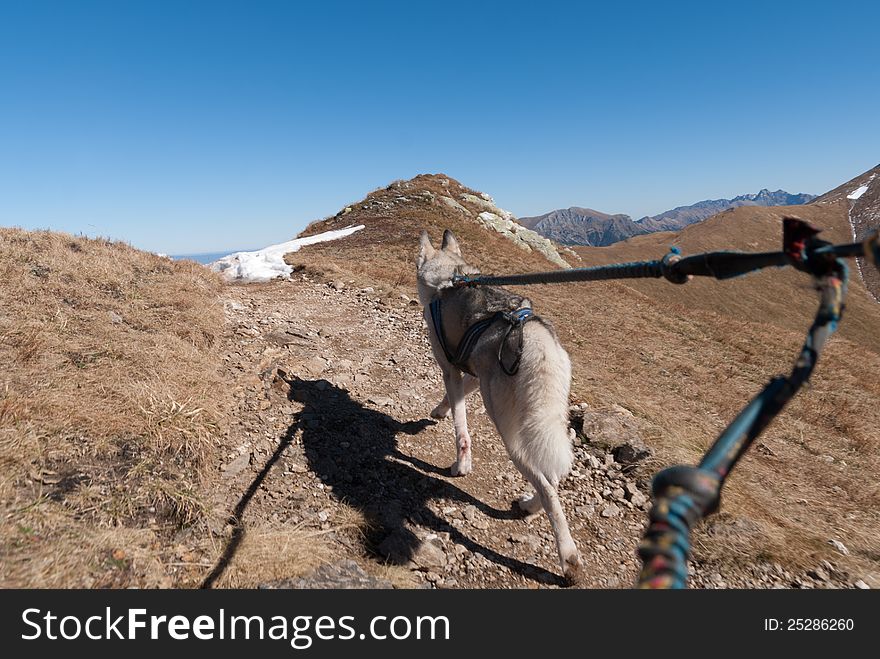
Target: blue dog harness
515, 319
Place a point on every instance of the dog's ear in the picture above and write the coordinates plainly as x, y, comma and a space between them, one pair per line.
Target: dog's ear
450, 244
426, 249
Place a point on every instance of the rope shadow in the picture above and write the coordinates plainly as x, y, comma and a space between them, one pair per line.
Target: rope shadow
235, 519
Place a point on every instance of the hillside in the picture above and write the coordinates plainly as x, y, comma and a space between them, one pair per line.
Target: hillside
584, 226
111, 408
862, 198
684, 360
775, 297
381, 255
171, 430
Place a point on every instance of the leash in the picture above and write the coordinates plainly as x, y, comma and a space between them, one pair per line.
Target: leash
677, 269
515, 319
685, 494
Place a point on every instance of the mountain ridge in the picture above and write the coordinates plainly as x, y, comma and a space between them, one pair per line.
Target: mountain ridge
585, 226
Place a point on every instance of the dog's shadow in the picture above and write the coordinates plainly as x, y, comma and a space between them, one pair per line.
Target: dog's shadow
353, 449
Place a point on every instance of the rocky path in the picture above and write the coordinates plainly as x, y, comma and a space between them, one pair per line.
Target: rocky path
333, 386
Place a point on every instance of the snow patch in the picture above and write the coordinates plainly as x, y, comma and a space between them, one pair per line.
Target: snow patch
268, 263
858, 192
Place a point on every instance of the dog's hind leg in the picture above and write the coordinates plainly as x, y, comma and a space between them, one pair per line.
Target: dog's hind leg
568, 553
469, 382
531, 414
455, 394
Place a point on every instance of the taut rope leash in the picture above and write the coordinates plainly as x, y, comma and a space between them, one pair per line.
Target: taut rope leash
677, 269
684, 494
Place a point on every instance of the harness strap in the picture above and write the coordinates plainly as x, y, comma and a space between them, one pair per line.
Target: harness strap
437, 320
515, 319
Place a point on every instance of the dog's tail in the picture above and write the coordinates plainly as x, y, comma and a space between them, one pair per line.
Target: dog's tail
543, 445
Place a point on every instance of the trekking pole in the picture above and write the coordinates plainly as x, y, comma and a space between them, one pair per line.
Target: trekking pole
683, 495
678, 269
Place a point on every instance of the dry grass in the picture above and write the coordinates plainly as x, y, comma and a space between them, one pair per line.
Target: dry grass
685, 360
269, 554
110, 406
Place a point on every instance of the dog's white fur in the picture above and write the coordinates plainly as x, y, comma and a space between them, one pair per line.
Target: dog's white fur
529, 409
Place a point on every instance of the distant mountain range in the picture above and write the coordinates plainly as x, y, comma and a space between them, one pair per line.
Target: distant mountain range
582, 226
585, 226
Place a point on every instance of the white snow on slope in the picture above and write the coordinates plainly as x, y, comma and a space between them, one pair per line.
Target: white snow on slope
858, 192
268, 263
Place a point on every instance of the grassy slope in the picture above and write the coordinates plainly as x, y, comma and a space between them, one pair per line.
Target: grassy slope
110, 405
779, 297
685, 360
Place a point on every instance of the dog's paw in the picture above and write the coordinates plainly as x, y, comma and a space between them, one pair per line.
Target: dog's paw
528, 504
440, 412
461, 467
572, 571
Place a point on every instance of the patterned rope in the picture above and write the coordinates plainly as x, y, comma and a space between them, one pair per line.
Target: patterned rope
684, 494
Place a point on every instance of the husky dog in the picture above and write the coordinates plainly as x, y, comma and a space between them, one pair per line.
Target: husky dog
523, 374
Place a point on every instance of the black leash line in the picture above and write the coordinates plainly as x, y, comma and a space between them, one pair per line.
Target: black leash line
677, 269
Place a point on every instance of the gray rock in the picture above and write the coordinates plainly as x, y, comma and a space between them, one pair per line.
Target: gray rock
345, 574
454, 205
315, 365
238, 465
429, 554
818, 574
502, 222
634, 495
839, 546
611, 510
614, 430
631, 452
283, 339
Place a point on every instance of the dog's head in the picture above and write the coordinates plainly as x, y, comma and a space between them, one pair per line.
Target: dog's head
435, 267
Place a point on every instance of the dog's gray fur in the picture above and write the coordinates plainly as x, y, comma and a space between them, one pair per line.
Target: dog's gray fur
529, 409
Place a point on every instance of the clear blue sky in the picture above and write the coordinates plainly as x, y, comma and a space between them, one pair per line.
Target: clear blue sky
202, 126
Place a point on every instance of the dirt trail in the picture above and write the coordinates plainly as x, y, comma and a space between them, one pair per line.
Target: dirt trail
333, 386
